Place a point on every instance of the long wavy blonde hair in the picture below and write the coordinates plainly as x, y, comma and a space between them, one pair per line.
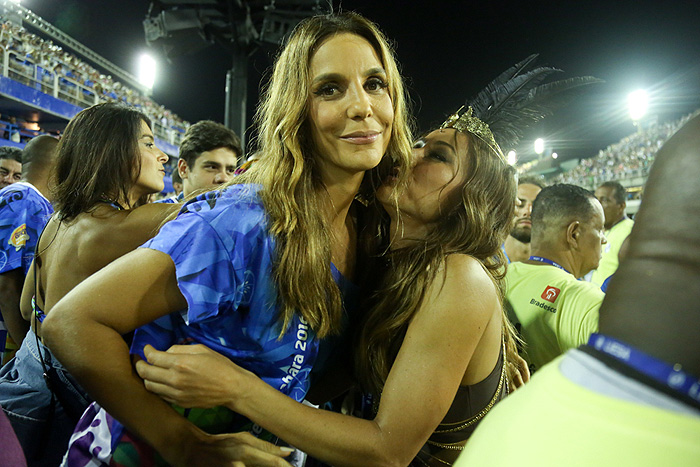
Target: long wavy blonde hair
288, 172
475, 226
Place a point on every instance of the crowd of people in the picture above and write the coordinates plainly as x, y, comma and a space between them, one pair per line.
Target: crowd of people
363, 296
42, 59
631, 157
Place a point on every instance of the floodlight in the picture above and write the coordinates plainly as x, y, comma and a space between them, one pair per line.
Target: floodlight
512, 157
147, 70
539, 145
638, 103
554, 155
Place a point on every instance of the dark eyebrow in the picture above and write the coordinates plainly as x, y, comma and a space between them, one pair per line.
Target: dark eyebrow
444, 143
327, 77
375, 71
340, 77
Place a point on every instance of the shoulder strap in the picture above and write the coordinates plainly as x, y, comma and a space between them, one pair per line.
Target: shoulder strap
36, 278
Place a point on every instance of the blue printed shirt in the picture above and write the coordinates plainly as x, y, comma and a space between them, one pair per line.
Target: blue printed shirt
23, 214
223, 257
172, 200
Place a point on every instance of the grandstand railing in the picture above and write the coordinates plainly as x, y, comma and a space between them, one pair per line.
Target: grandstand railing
24, 69
628, 178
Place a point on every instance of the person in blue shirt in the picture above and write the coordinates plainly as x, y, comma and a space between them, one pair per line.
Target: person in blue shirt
208, 157
259, 269
10, 165
24, 210
209, 153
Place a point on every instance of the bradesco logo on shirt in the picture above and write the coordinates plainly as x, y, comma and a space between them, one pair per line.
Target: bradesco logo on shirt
550, 294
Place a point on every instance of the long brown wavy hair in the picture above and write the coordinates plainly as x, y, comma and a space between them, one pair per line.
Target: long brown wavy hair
475, 226
289, 176
97, 158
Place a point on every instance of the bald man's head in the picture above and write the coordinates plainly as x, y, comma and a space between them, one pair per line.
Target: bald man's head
39, 158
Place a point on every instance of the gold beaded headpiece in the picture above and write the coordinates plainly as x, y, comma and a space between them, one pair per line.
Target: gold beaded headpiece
467, 122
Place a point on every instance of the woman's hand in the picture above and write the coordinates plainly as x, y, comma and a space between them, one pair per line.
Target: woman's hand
194, 376
234, 450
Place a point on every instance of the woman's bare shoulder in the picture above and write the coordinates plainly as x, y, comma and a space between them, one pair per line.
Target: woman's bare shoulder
140, 223
466, 272
461, 285
103, 235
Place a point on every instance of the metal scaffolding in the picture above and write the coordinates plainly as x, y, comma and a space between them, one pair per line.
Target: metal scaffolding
240, 26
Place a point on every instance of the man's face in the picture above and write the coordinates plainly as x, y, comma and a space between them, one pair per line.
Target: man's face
613, 211
10, 172
522, 225
211, 168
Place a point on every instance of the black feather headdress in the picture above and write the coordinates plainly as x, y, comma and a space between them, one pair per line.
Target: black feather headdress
518, 98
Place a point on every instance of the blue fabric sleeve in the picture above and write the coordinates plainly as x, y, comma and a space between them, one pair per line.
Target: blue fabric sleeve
204, 270
22, 218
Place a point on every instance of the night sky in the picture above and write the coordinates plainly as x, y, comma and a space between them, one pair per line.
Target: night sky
449, 50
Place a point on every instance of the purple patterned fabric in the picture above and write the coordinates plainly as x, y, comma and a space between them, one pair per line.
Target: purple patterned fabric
93, 438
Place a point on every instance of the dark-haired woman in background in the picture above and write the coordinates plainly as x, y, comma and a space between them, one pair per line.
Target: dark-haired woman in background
106, 164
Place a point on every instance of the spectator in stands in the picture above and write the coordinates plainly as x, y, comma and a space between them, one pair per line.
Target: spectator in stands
631, 156
10, 165
25, 208
106, 163
517, 245
631, 396
13, 130
552, 309
613, 198
54, 60
209, 154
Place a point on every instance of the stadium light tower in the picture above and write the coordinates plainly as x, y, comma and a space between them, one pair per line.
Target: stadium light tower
539, 146
178, 27
147, 70
638, 104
